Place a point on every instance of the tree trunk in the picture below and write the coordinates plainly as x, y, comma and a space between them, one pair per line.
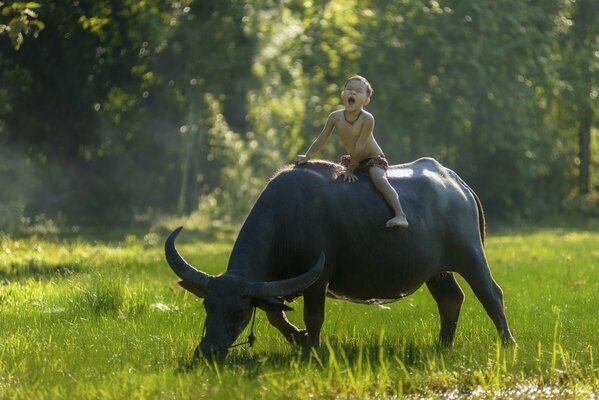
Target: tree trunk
182, 203
584, 148
188, 142
584, 20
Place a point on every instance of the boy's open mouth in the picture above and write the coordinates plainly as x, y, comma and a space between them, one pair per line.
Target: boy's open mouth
351, 101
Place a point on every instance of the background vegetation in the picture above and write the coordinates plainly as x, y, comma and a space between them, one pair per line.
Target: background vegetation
115, 111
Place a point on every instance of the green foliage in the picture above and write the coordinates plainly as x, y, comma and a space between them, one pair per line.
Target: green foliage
22, 21
576, 99
83, 317
236, 180
16, 179
144, 108
464, 91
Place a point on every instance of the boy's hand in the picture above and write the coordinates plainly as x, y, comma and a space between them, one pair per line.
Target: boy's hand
301, 159
349, 176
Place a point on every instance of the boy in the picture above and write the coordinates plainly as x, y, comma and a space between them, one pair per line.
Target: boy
355, 128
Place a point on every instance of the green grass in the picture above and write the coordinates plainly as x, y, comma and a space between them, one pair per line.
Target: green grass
81, 318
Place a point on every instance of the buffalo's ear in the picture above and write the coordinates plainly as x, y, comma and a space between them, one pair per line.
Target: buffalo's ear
193, 288
270, 304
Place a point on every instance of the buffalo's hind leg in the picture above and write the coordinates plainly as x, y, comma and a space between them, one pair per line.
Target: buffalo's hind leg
488, 292
449, 297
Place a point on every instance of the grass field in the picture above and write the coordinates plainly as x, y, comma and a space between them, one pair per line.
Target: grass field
83, 318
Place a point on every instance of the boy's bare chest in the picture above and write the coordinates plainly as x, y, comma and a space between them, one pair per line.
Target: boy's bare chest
348, 132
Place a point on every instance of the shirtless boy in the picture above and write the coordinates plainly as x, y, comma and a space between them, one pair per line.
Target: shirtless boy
355, 128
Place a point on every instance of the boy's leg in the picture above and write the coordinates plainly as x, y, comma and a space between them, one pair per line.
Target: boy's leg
382, 184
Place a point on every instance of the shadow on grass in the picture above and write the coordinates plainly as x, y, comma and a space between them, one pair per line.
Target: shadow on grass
335, 353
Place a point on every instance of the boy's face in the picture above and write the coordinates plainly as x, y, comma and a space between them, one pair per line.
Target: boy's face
355, 95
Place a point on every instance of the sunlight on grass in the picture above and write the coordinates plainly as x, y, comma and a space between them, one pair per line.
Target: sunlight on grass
93, 319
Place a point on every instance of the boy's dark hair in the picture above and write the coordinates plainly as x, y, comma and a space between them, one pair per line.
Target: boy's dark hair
369, 89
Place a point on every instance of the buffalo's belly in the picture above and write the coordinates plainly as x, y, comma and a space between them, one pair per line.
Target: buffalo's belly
382, 274
374, 288
364, 298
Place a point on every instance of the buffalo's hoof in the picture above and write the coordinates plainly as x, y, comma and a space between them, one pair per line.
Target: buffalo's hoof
445, 343
300, 338
197, 353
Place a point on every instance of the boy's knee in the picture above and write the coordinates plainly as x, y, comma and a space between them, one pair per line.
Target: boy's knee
378, 179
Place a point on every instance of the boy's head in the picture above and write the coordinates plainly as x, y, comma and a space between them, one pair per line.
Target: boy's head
369, 89
356, 93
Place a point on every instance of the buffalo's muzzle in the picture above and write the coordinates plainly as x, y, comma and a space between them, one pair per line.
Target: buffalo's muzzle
210, 351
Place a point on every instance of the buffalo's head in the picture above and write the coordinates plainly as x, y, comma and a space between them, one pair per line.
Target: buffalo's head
229, 299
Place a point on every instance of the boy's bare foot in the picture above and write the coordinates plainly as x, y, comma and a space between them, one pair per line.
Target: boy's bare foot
400, 221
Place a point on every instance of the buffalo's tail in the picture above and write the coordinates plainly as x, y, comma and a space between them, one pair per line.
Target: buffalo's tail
482, 224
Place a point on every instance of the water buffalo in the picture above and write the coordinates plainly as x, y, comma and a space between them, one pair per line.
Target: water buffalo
314, 235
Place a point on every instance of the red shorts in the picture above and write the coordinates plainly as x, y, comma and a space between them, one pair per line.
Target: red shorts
365, 165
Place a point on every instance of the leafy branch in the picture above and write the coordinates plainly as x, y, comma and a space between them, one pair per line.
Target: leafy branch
22, 21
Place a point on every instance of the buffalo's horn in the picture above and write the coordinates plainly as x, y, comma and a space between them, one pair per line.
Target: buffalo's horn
182, 268
289, 286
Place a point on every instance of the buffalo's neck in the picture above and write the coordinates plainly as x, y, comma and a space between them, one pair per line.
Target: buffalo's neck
251, 255
279, 238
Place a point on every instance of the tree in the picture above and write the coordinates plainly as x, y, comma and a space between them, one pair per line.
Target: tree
121, 108
459, 82
78, 115
579, 89
21, 21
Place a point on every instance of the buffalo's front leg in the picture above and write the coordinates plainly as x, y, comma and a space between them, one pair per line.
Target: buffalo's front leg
289, 331
449, 297
314, 298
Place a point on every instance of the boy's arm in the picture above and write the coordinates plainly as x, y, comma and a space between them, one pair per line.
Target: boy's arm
320, 140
